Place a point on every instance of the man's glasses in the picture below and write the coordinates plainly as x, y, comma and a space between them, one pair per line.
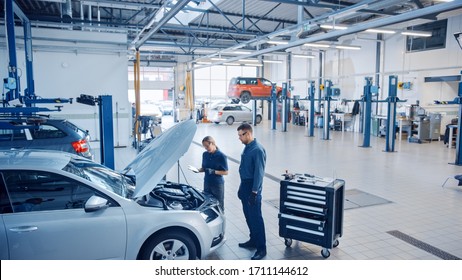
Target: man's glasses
243, 134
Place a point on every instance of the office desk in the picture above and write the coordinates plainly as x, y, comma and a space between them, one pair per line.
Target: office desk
404, 123
343, 117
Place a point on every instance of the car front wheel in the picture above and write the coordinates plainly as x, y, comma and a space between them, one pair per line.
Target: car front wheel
169, 246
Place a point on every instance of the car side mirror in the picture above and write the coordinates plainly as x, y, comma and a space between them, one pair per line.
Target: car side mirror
95, 203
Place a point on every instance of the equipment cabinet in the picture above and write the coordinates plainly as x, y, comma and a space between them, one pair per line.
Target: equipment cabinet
311, 210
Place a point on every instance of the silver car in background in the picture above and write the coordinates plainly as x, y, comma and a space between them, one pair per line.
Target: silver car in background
231, 113
60, 206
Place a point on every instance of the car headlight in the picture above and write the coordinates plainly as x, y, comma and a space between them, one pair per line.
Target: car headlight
209, 215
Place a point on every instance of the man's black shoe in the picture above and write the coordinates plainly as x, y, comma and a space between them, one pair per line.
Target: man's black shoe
258, 255
248, 245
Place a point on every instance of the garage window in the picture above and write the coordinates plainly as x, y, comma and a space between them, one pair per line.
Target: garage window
436, 41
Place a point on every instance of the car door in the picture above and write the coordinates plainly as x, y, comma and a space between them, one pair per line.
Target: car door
256, 88
266, 87
48, 221
238, 113
246, 114
5, 207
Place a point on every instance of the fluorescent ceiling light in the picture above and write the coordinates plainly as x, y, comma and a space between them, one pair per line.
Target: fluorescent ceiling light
335, 27
258, 64
237, 52
385, 31
343, 47
278, 42
126, 6
217, 59
272, 61
249, 60
204, 62
443, 0
231, 64
55, 1
416, 33
315, 45
303, 56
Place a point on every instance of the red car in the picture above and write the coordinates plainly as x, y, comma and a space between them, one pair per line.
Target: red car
244, 89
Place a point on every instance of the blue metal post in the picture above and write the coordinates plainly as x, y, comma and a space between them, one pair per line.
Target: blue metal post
106, 131
30, 91
391, 114
327, 98
13, 64
284, 107
311, 93
459, 127
367, 112
273, 107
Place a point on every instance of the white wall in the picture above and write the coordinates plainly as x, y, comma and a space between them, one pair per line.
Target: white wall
64, 68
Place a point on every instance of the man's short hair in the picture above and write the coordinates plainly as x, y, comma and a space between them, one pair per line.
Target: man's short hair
245, 126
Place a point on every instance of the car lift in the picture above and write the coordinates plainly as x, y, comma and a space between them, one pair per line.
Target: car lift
106, 131
12, 82
284, 110
458, 100
25, 104
311, 92
392, 99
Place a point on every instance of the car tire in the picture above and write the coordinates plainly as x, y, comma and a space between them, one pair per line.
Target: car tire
245, 97
160, 247
258, 119
230, 120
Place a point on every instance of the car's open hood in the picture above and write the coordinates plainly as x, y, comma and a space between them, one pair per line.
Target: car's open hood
160, 155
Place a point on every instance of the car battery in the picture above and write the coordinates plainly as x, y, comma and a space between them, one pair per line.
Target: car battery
311, 210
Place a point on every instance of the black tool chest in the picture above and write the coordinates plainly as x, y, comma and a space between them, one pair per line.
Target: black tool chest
311, 210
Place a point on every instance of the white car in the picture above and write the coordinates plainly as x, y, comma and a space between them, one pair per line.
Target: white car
231, 113
57, 205
151, 110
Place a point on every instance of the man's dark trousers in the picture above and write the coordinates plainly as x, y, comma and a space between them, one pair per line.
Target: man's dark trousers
253, 215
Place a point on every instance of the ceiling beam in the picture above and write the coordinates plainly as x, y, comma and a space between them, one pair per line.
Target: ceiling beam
153, 27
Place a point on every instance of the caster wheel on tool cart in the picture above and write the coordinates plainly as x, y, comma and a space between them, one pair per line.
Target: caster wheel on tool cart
336, 242
325, 253
288, 242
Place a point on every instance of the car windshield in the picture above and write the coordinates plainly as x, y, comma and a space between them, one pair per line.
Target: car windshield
102, 176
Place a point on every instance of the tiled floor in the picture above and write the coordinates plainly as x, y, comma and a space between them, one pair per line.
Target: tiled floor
409, 179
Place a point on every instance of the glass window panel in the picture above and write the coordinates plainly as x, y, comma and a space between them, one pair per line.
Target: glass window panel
218, 73
42, 191
202, 73
219, 88
234, 71
202, 88
249, 71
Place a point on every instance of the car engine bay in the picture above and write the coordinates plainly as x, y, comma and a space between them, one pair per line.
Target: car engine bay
174, 196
